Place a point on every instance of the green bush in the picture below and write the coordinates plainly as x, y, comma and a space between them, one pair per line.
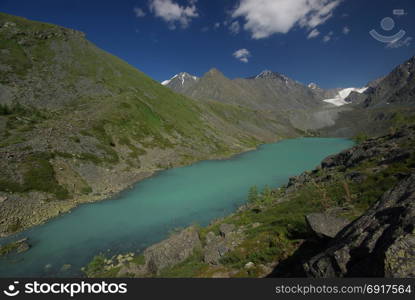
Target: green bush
360, 138
96, 265
4, 110
16, 226
253, 194
86, 190
38, 175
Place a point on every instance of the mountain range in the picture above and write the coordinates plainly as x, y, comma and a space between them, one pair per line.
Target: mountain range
333, 112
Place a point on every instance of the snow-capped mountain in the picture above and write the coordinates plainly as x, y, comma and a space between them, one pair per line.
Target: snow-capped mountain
313, 86
181, 81
342, 95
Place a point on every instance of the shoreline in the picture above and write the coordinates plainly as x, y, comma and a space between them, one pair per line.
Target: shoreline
70, 205
235, 209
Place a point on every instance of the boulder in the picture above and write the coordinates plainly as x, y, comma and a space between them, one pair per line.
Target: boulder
66, 267
215, 248
297, 181
355, 176
22, 245
226, 229
331, 161
325, 225
249, 265
218, 245
381, 243
173, 250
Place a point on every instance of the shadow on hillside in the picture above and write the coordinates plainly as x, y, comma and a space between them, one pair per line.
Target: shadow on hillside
293, 265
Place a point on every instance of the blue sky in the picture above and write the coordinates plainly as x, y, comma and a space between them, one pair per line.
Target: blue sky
322, 41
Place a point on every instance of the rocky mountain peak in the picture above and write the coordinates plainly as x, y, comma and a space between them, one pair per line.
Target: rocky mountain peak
313, 86
214, 72
264, 73
267, 74
181, 78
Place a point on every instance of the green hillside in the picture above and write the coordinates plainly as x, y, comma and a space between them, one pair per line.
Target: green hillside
78, 124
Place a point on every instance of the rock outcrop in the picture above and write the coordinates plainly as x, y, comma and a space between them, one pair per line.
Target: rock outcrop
380, 243
218, 245
172, 250
18, 246
325, 225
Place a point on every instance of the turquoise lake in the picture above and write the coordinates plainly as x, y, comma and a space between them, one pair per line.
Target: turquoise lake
174, 198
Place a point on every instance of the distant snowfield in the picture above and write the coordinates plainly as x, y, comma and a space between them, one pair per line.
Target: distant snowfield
343, 94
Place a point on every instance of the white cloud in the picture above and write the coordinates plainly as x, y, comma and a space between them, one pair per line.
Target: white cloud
234, 27
242, 55
172, 12
346, 30
314, 33
400, 43
267, 17
216, 25
328, 37
139, 13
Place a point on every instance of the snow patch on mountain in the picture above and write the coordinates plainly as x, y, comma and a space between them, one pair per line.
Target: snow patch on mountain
181, 76
166, 82
313, 86
341, 96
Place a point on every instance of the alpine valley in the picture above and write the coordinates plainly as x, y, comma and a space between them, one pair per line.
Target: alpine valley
79, 125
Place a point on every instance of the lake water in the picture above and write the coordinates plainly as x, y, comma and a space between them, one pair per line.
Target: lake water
174, 198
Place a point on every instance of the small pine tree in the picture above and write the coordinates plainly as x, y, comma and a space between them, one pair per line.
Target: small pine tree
4, 109
253, 194
266, 193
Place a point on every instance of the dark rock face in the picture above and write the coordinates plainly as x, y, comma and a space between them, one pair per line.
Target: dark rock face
356, 176
388, 148
325, 225
380, 243
396, 88
172, 250
297, 181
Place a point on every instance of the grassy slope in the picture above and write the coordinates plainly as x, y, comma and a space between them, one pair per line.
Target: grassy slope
77, 123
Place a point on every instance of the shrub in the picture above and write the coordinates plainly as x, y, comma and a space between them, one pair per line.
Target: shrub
253, 194
86, 190
360, 137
